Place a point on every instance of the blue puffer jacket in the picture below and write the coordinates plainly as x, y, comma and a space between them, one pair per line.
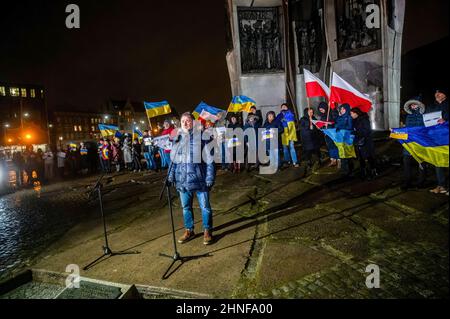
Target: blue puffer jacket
187, 175
344, 122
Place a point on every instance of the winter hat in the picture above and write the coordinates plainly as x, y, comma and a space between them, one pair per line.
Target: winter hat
415, 100
323, 106
442, 90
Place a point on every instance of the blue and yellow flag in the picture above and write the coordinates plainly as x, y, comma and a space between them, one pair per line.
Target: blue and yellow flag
425, 144
137, 134
344, 142
108, 130
154, 109
287, 120
241, 103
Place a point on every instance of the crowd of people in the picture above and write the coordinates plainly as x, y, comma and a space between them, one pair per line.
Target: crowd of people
133, 153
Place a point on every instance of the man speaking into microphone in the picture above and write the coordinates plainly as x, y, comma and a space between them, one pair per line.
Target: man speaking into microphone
191, 174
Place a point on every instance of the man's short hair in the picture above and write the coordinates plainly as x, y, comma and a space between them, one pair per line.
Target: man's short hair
187, 114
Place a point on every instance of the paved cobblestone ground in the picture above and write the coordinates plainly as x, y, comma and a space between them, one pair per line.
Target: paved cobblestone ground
296, 234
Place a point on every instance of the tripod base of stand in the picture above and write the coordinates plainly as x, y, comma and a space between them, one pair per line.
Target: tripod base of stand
107, 252
177, 257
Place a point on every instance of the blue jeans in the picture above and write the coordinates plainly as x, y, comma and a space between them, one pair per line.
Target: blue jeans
186, 199
289, 153
440, 175
274, 158
167, 158
163, 159
151, 164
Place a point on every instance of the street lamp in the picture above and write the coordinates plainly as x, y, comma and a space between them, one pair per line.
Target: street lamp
26, 115
7, 125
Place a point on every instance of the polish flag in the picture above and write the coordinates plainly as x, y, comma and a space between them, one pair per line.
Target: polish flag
342, 92
314, 86
321, 124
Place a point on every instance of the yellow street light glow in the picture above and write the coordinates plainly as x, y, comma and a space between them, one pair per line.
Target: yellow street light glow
28, 136
9, 140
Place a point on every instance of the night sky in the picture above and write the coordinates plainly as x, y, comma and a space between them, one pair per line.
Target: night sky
142, 49
145, 50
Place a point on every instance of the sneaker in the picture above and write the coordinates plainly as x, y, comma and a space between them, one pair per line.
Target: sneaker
207, 237
438, 190
187, 236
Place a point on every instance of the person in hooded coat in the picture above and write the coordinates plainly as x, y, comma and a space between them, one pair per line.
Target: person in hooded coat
331, 117
275, 128
251, 145
310, 136
345, 122
364, 146
414, 118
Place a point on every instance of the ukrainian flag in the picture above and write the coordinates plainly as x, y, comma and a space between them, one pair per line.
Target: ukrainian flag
108, 130
289, 131
137, 133
344, 142
425, 144
157, 108
241, 103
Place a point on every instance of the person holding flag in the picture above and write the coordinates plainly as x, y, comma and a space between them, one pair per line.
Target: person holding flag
344, 122
327, 119
289, 136
310, 137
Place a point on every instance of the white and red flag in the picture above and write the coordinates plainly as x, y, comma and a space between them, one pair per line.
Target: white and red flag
314, 86
342, 92
321, 124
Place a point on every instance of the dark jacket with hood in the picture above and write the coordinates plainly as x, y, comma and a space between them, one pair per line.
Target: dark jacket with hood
309, 134
188, 175
414, 118
273, 125
363, 136
345, 121
323, 116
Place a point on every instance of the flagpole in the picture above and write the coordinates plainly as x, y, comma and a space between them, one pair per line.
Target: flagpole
308, 99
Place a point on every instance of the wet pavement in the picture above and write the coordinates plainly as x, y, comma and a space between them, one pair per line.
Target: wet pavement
30, 220
296, 234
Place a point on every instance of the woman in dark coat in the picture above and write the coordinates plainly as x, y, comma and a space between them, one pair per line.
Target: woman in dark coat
345, 122
414, 109
310, 136
234, 124
273, 129
363, 142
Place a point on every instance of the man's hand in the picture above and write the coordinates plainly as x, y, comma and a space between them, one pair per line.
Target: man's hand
441, 121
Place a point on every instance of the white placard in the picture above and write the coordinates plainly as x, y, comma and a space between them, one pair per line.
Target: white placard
431, 119
267, 134
163, 142
233, 142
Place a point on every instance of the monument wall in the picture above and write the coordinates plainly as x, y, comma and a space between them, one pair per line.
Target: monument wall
328, 36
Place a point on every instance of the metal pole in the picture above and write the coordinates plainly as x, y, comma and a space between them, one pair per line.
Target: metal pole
99, 190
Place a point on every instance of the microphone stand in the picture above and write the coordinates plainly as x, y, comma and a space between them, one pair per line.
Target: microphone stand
176, 255
107, 252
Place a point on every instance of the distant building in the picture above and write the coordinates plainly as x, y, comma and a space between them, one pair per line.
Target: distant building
23, 116
127, 114
75, 127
